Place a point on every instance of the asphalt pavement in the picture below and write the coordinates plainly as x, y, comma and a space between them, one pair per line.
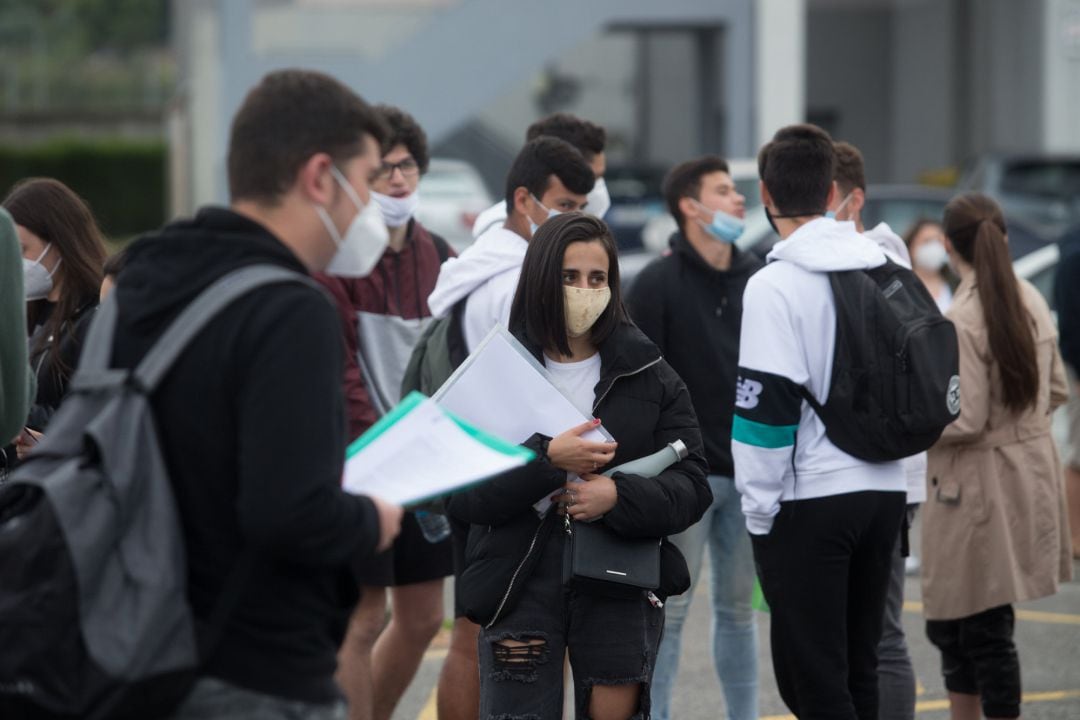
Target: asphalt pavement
1047, 635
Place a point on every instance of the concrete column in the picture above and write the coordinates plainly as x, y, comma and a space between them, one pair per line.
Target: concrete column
779, 66
1061, 76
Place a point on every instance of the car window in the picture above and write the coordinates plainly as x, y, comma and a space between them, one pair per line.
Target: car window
901, 214
1043, 178
451, 183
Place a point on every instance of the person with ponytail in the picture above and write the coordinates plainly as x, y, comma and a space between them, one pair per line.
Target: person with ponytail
994, 528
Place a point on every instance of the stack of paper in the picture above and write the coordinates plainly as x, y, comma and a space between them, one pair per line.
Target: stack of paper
503, 390
418, 452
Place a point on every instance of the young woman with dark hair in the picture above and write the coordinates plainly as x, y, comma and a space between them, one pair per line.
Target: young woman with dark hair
994, 525
568, 311
63, 254
926, 246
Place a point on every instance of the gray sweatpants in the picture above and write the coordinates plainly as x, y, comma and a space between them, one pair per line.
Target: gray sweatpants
896, 677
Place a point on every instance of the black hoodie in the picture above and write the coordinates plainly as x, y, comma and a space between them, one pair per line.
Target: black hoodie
693, 313
252, 425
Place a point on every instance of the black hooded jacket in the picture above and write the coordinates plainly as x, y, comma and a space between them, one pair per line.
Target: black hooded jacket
645, 406
252, 425
693, 312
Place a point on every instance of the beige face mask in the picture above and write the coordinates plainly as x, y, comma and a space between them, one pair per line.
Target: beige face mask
584, 306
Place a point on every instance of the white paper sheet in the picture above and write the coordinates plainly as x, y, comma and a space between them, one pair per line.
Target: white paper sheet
424, 454
503, 390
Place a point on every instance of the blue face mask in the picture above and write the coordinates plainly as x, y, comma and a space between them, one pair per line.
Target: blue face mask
724, 227
831, 214
533, 227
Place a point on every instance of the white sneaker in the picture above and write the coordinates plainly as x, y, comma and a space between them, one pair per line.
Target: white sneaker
911, 565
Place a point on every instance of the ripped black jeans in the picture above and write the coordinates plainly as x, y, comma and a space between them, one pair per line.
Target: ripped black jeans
611, 641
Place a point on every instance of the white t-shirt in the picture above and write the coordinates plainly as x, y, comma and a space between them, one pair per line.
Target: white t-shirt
577, 380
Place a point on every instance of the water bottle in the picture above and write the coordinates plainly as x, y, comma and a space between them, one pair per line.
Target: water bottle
435, 527
653, 465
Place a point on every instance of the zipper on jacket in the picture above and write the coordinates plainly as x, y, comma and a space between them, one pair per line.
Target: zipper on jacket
513, 578
641, 369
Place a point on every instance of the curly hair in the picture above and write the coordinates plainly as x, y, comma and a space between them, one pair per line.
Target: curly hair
404, 130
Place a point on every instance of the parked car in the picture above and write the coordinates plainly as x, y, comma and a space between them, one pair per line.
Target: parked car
452, 194
1043, 191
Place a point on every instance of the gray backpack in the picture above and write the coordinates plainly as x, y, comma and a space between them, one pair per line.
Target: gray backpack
94, 617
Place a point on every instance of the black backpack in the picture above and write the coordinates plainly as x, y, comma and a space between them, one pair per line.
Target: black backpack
94, 615
895, 381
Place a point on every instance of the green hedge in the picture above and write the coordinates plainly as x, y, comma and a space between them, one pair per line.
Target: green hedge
122, 180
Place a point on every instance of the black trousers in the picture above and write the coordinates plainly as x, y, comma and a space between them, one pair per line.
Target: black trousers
978, 657
824, 569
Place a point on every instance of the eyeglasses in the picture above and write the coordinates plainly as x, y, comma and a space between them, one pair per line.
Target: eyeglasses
408, 168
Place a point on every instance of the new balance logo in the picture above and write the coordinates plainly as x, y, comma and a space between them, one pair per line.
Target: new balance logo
746, 394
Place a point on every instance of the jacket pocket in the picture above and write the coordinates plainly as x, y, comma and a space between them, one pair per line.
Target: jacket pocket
962, 485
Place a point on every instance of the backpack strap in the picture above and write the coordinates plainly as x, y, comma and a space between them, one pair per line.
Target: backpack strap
441, 247
204, 308
93, 369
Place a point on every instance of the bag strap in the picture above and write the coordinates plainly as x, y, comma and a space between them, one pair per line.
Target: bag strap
204, 308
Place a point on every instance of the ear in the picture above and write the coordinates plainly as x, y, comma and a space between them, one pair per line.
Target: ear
521, 200
315, 182
857, 201
766, 198
688, 208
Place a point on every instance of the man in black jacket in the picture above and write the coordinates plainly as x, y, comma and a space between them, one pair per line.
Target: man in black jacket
689, 302
251, 418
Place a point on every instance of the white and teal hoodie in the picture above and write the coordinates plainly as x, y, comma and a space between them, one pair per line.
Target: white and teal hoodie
788, 331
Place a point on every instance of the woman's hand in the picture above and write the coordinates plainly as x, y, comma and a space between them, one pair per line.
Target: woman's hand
25, 442
590, 499
571, 453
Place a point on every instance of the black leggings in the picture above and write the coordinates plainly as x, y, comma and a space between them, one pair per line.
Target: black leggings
978, 657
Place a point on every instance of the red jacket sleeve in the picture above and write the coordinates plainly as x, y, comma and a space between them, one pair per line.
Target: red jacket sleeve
359, 410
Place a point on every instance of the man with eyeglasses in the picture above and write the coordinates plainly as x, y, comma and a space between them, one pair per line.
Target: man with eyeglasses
382, 316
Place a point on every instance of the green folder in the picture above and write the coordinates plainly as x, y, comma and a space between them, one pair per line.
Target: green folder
407, 405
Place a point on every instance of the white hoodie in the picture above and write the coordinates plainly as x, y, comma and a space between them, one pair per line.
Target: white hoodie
493, 216
487, 273
788, 331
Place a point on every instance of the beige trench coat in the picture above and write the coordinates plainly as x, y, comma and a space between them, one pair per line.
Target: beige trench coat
994, 525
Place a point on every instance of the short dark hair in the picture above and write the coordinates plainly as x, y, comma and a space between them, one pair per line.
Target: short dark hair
539, 304
684, 180
539, 160
404, 130
589, 138
797, 167
849, 173
284, 120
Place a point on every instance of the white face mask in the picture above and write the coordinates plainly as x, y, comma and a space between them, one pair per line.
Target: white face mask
584, 306
397, 211
931, 256
365, 239
37, 279
598, 200
533, 227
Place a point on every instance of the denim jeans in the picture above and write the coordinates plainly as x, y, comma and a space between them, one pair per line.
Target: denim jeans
734, 631
610, 641
213, 699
